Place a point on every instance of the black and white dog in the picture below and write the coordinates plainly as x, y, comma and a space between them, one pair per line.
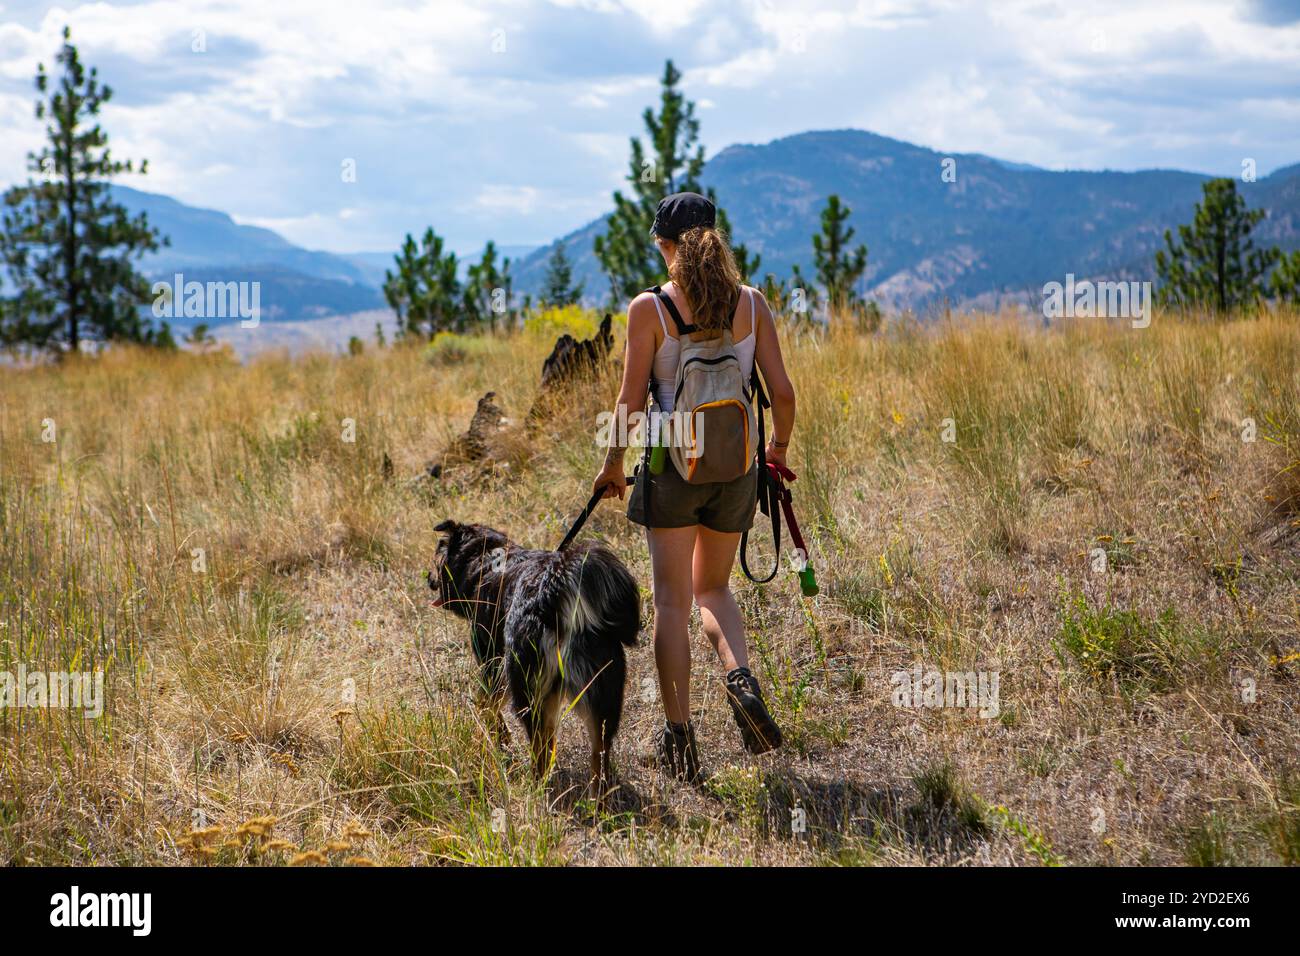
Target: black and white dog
549, 627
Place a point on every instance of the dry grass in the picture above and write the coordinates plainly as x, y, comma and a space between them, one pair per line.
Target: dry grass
288, 694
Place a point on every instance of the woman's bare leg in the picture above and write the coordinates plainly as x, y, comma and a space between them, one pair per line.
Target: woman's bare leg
715, 554
670, 559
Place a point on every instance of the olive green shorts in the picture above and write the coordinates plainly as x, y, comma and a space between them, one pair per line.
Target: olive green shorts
725, 506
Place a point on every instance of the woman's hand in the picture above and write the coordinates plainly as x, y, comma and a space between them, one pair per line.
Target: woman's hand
776, 454
611, 475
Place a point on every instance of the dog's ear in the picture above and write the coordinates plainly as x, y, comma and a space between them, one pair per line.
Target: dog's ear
446, 527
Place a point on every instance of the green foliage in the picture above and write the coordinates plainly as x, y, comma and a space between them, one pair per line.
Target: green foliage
425, 291
796, 299
838, 266
1033, 841
200, 336
1284, 284
559, 289
453, 348
1208, 843
67, 246
1136, 652
626, 252
1214, 263
942, 793
487, 291
428, 296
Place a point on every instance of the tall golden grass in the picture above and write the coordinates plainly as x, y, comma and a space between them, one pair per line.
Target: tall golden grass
279, 690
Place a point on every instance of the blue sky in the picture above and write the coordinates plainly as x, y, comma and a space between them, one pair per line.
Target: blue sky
510, 120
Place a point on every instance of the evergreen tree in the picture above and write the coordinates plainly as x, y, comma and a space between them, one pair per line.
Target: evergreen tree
1214, 262
559, 289
800, 286
1285, 281
425, 292
67, 246
626, 252
776, 293
201, 337
487, 290
838, 267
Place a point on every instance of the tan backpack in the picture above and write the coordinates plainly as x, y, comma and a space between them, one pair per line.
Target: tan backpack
712, 433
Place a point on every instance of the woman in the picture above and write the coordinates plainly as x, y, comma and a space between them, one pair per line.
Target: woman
693, 530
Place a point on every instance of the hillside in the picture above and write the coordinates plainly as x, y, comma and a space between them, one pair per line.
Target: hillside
207, 245
298, 285
1000, 229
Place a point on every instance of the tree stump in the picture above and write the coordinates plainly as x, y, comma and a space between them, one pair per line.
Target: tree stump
570, 360
472, 447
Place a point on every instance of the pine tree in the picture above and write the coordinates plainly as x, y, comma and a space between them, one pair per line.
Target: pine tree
626, 252
838, 267
1284, 284
487, 290
802, 289
67, 246
1214, 263
559, 289
425, 292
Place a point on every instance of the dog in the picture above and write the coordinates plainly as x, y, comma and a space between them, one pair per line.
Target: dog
548, 628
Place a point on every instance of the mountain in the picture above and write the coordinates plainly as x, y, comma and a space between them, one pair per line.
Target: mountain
1000, 230
296, 284
207, 245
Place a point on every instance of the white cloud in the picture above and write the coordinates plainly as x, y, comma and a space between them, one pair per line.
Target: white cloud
529, 141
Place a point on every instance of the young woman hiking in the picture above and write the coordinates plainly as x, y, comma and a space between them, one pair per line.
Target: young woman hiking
694, 528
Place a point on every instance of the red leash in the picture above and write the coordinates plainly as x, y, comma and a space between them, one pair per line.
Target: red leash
772, 492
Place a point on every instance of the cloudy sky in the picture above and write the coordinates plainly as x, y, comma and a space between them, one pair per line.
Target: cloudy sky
510, 120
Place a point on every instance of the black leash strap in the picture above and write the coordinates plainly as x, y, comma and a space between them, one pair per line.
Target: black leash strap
768, 493
586, 513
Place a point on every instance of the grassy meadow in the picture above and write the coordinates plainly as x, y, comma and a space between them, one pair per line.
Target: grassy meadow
1114, 530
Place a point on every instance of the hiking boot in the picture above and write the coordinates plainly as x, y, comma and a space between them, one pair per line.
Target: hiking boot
758, 731
676, 752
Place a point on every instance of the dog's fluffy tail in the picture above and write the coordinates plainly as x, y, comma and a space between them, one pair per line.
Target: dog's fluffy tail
607, 605
604, 617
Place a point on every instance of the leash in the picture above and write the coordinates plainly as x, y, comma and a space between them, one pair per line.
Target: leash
778, 502
775, 500
586, 513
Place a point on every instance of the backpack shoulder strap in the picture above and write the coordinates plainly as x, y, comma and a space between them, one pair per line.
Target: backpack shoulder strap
666, 299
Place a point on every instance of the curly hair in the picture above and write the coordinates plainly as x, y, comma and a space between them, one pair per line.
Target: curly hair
706, 272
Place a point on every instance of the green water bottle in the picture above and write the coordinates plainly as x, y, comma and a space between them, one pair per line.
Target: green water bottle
808, 581
658, 452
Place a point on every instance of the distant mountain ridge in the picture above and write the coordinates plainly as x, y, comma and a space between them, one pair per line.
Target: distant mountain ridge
296, 284
1001, 229
207, 245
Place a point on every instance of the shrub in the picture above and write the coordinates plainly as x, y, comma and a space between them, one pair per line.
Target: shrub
555, 321
1117, 644
452, 348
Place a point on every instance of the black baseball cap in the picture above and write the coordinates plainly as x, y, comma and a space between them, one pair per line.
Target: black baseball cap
682, 211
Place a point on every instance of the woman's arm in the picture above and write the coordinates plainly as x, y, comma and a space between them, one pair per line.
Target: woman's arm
637, 362
767, 353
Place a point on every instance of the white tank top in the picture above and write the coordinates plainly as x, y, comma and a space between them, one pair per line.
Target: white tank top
664, 372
